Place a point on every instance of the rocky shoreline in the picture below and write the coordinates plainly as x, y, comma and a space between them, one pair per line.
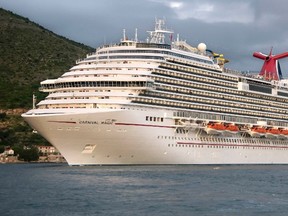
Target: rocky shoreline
42, 159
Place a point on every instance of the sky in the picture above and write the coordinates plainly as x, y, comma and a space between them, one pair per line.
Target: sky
235, 28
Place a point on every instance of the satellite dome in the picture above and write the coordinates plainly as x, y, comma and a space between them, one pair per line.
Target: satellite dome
202, 47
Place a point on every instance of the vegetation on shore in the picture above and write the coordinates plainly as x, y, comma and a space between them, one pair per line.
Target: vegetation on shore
29, 54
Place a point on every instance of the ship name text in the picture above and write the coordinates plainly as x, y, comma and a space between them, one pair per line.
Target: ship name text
104, 122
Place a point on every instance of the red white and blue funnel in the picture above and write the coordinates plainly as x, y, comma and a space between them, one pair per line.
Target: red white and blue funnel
271, 68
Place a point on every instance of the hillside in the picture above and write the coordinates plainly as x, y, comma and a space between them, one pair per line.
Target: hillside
29, 54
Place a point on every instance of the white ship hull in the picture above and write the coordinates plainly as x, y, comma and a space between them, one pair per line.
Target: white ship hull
158, 103
125, 137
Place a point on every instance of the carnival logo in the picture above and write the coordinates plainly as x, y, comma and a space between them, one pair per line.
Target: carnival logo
104, 122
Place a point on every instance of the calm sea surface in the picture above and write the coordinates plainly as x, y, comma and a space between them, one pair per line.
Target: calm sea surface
57, 189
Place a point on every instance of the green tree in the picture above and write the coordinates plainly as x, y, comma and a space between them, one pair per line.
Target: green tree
27, 154
2, 148
2, 116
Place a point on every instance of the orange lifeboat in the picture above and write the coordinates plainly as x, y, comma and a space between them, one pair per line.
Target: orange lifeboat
231, 129
283, 133
257, 131
272, 133
215, 128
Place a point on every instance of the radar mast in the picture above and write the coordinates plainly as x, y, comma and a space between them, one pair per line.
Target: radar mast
158, 35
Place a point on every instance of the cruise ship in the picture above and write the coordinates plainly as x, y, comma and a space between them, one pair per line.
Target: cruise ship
163, 101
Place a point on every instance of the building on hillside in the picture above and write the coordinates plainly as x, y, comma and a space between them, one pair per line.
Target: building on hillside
47, 150
8, 156
8, 151
50, 154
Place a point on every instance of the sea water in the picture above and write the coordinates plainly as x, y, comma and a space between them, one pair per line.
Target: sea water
58, 189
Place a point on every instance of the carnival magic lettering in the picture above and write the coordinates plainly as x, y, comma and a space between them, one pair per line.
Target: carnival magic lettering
106, 121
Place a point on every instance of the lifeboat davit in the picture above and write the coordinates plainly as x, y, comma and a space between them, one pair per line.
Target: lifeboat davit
214, 128
272, 133
257, 132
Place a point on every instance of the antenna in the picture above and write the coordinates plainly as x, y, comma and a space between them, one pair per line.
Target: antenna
124, 34
158, 35
136, 35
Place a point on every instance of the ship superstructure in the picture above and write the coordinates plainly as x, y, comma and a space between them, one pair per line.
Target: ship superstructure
162, 102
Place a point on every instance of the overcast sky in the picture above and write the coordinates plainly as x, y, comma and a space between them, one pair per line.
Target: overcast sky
235, 28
